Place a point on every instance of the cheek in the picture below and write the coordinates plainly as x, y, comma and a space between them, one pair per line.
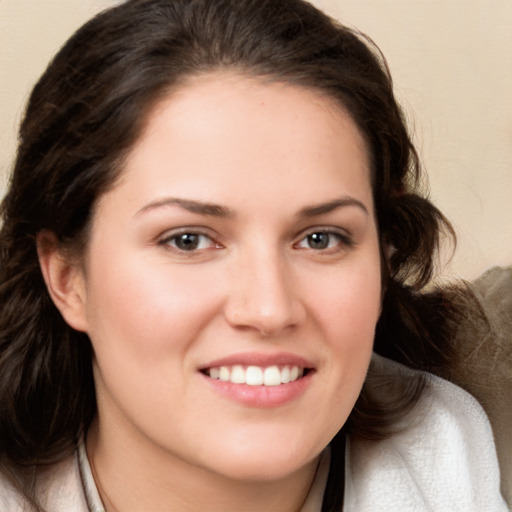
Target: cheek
141, 309
348, 311
143, 320
350, 303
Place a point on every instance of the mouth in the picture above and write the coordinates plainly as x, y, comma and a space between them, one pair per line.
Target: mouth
270, 376
260, 380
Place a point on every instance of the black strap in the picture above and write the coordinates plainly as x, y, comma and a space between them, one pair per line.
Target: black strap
335, 486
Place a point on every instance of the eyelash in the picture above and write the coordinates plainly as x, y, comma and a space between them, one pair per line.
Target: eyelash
168, 240
345, 241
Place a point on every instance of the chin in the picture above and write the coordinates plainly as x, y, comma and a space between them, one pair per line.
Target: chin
267, 464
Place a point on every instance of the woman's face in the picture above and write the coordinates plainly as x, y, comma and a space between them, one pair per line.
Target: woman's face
232, 281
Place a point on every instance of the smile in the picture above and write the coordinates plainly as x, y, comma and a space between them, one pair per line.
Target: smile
260, 380
257, 375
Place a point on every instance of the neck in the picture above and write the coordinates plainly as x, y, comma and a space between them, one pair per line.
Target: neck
128, 482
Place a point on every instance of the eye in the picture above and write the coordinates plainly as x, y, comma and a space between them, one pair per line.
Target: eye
324, 240
188, 241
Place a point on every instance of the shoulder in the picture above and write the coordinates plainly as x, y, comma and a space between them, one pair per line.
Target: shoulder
444, 458
10, 499
59, 489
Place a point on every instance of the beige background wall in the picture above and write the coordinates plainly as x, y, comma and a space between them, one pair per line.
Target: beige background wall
452, 66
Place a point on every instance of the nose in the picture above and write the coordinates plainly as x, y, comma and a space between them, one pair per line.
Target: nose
263, 296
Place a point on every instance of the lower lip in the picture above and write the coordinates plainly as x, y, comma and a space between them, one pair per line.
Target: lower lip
261, 396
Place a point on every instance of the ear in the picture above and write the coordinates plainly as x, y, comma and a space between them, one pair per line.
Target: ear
64, 280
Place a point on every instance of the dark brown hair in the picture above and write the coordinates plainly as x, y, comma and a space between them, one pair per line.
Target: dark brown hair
86, 112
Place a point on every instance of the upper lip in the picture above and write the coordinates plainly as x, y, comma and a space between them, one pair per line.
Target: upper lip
259, 359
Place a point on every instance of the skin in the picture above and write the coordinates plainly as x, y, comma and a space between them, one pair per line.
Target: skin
268, 154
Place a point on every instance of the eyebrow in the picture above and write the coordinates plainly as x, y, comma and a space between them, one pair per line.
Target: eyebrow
329, 206
198, 207
215, 210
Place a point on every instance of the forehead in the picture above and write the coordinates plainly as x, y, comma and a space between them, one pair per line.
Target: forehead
200, 104
216, 90
243, 133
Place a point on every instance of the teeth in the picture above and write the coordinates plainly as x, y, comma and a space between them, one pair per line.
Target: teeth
237, 374
256, 375
272, 376
224, 373
253, 376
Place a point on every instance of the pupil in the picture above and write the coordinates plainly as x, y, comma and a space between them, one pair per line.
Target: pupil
318, 240
187, 241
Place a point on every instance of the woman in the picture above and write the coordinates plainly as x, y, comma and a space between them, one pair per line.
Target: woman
188, 339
